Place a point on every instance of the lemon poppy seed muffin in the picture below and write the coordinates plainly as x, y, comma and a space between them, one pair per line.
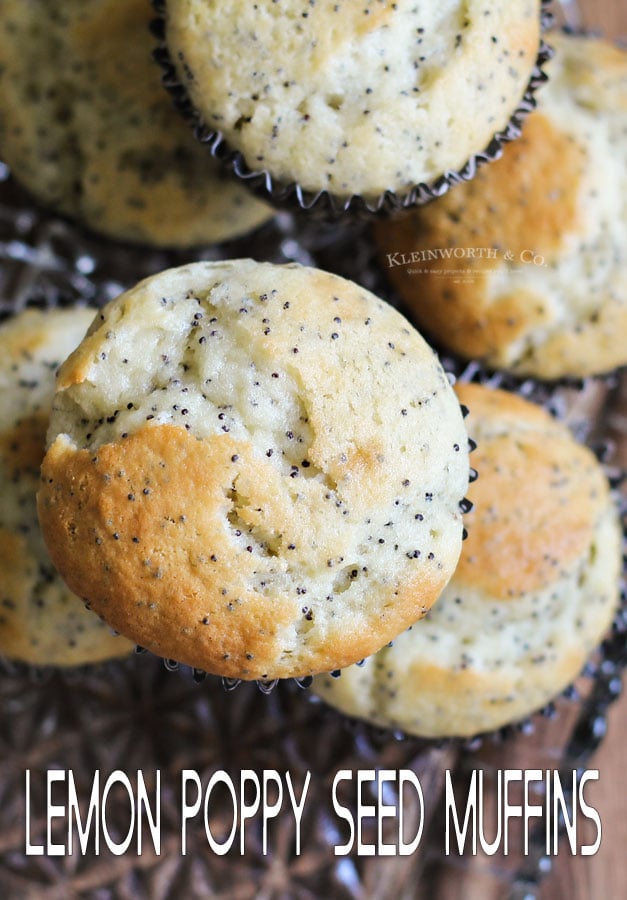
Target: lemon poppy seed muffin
535, 590
87, 127
354, 99
525, 268
41, 621
255, 470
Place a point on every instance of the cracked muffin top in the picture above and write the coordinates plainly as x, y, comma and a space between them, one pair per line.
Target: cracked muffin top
87, 127
254, 469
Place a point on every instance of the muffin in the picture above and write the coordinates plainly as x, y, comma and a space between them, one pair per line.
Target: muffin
525, 268
535, 590
87, 127
255, 470
41, 622
377, 101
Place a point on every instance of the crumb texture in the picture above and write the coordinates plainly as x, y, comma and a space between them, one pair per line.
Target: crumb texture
355, 98
535, 590
255, 469
41, 621
86, 125
525, 267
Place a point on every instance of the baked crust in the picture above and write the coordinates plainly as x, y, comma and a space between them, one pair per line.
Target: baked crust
302, 506
525, 451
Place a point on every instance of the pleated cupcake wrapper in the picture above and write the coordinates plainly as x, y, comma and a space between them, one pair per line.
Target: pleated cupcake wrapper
324, 204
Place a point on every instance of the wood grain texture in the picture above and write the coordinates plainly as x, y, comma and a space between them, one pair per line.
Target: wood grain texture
606, 17
603, 875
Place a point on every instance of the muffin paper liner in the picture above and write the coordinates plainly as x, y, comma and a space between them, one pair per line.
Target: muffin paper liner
323, 203
136, 711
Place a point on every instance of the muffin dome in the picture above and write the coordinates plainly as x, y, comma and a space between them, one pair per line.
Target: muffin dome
41, 621
525, 267
87, 127
255, 470
354, 99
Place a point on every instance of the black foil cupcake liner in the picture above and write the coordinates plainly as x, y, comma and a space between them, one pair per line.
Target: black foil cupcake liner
323, 204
